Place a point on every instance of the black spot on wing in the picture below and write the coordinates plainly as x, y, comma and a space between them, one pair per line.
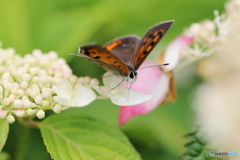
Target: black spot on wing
143, 43
97, 57
152, 43
145, 52
160, 33
109, 56
87, 53
150, 36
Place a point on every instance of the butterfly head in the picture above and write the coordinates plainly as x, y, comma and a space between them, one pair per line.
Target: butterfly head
132, 76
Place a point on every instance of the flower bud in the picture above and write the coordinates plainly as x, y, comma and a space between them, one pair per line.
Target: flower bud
1, 89
31, 111
20, 92
46, 94
34, 92
45, 103
26, 77
86, 80
14, 91
38, 99
12, 97
6, 75
10, 119
23, 84
43, 79
20, 113
3, 114
6, 101
57, 108
40, 114
73, 79
94, 82
52, 55
26, 103
33, 70
8, 86
18, 103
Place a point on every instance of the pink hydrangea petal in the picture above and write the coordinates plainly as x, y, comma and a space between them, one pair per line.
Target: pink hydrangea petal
173, 50
150, 81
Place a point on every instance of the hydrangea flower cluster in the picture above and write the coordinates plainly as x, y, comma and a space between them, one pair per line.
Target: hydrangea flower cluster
217, 100
201, 39
37, 82
31, 84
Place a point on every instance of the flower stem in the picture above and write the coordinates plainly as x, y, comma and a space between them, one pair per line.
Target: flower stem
22, 143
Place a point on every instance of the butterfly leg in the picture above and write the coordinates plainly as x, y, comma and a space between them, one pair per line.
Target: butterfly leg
110, 75
129, 86
117, 85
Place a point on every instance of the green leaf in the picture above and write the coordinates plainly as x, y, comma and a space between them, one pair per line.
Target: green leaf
79, 137
4, 156
4, 128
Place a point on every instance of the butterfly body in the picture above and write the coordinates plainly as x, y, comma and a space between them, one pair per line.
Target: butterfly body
124, 56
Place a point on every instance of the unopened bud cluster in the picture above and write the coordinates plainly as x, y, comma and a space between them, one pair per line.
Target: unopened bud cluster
208, 35
27, 83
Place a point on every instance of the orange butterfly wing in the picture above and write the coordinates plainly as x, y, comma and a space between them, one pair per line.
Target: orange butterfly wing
149, 41
104, 58
124, 48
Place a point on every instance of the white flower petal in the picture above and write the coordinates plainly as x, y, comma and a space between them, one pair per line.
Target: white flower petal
123, 98
110, 80
64, 89
82, 96
171, 56
102, 90
62, 101
172, 52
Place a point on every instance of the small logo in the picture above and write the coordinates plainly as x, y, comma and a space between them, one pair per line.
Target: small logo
212, 154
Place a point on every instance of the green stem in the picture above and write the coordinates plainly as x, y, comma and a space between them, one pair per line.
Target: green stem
25, 124
28, 122
20, 153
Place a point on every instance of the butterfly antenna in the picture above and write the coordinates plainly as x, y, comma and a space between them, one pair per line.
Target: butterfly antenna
159, 65
117, 85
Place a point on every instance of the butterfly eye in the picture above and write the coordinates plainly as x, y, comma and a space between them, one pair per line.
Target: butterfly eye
133, 75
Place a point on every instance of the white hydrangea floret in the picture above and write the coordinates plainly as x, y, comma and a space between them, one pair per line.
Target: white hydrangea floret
78, 96
117, 93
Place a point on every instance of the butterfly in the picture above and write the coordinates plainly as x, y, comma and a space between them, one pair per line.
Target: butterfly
123, 56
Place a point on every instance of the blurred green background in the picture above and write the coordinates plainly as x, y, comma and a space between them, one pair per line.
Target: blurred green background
62, 26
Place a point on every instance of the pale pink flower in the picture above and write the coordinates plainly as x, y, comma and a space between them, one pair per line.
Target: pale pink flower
155, 81
150, 81
173, 51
